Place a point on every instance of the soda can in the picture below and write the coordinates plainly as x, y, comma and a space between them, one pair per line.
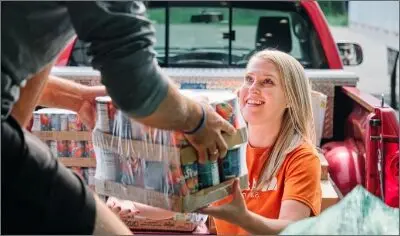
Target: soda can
230, 165
155, 176
53, 147
190, 173
208, 174
103, 114
77, 148
63, 148
74, 123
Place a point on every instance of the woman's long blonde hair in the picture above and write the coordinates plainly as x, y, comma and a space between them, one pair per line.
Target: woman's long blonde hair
297, 124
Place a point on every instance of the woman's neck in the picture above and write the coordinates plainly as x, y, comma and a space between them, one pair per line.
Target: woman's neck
263, 136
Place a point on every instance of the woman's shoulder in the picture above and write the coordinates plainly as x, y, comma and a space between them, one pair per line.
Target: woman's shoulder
303, 153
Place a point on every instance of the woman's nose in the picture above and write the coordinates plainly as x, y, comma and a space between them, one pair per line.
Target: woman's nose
254, 88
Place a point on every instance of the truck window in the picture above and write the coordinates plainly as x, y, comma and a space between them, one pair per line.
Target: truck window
197, 36
225, 35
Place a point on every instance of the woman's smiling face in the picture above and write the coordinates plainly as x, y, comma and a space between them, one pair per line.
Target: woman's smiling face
261, 97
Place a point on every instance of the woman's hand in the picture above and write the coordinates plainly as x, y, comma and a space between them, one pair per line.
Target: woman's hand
123, 208
234, 212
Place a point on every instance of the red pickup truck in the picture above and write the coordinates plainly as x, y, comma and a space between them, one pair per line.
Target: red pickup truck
206, 45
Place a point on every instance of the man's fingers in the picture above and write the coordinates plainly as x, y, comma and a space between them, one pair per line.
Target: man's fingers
227, 127
222, 146
213, 153
202, 155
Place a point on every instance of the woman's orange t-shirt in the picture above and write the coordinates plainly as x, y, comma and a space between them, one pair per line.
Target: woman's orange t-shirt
298, 179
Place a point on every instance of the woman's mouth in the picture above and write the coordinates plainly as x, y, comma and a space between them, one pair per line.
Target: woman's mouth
254, 102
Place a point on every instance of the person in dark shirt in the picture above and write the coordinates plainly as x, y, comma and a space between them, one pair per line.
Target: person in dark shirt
38, 194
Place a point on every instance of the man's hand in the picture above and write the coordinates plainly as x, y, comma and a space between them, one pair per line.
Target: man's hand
87, 108
65, 94
208, 140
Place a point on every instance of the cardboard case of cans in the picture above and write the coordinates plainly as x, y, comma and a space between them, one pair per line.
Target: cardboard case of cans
68, 139
159, 167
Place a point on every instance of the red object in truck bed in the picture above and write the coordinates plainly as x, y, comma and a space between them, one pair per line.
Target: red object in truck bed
371, 130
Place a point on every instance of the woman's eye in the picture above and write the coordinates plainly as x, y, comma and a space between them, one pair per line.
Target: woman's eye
268, 81
248, 79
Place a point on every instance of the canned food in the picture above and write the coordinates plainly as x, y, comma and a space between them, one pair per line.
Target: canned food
63, 122
103, 119
224, 102
45, 122
230, 165
40, 122
190, 173
226, 105
132, 172
55, 122
77, 148
176, 180
110, 166
208, 174
89, 149
74, 123
155, 176
63, 148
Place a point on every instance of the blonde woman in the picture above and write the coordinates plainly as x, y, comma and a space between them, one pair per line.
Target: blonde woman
284, 170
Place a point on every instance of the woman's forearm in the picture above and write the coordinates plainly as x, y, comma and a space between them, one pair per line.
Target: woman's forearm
259, 225
65, 94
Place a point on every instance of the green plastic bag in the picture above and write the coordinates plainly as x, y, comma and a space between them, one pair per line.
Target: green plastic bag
359, 213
